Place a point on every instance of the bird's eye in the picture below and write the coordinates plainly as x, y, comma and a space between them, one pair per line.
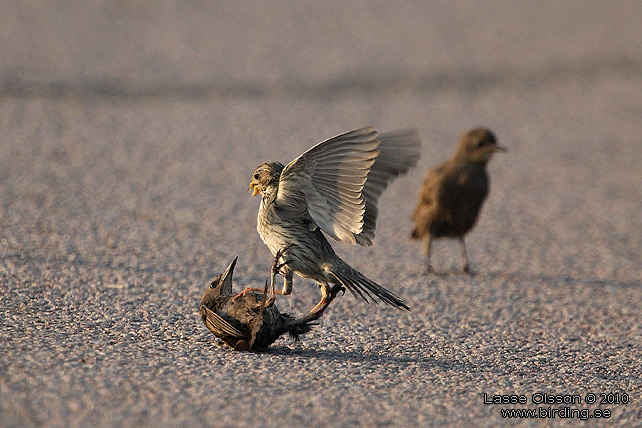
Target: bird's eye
215, 281
256, 176
480, 143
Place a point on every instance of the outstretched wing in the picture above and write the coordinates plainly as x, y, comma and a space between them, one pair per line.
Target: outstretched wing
398, 152
332, 180
329, 178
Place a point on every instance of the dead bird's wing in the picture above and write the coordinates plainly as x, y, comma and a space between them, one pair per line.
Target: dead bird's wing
219, 326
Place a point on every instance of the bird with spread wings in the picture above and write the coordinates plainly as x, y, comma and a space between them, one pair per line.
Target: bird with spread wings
333, 188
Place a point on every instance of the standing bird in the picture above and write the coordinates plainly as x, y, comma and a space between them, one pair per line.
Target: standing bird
334, 188
250, 322
454, 191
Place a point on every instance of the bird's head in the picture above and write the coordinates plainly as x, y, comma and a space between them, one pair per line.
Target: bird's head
221, 285
265, 175
478, 145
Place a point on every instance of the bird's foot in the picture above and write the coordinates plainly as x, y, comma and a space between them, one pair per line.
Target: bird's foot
243, 293
276, 270
335, 290
255, 290
276, 266
282, 250
269, 302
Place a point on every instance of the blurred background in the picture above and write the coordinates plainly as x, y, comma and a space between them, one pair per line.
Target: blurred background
204, 50
128, 134
125, 111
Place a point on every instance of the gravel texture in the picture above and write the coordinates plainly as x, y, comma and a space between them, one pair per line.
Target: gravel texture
128, 133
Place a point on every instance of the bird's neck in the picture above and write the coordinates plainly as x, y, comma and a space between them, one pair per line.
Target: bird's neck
465, 161
269, 194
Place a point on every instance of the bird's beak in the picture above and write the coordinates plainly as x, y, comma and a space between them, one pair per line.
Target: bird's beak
501, 149
226, 280
253, 188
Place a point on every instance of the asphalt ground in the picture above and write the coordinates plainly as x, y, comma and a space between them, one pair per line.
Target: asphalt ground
128, 134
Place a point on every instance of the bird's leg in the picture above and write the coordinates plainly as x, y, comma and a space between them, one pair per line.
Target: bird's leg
327, 296
464, 256
287, 281
275, 270
428, 269
276, 266
287, 288
249, 290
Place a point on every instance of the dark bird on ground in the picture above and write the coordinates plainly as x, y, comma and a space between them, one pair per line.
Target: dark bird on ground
333, 188
251, 321
454, 191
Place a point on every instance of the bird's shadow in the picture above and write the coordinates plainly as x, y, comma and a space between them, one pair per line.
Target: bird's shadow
387, 360
570, 280
354, 356
518, 277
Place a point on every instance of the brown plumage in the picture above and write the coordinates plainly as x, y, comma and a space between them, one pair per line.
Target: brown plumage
454, 191
248, 321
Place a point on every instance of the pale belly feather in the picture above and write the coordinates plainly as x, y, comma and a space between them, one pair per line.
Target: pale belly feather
310, 251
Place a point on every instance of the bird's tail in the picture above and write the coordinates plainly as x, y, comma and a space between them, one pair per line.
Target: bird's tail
364, 288
296, 328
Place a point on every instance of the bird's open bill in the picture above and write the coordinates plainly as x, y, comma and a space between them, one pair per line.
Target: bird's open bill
226, 279
502, 149
253, 189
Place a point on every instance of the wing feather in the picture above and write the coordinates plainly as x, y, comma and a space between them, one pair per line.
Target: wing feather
219, 326
398, 152
329, 179
341, 179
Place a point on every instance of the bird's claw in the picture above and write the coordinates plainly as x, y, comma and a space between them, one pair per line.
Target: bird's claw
335, 290
282, 250
241, 294
276, 266
269, 302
